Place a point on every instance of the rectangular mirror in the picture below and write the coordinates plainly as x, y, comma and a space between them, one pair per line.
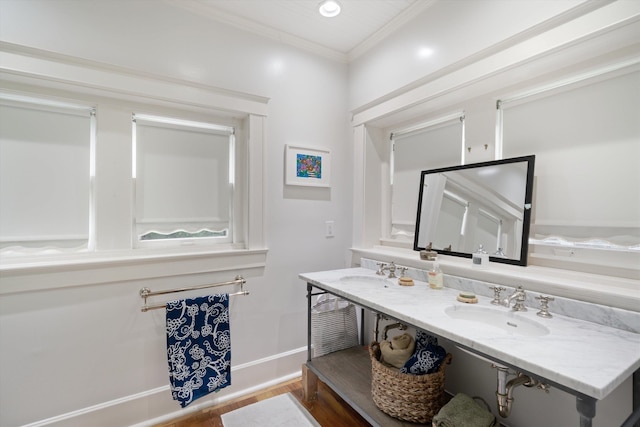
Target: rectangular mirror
483, 205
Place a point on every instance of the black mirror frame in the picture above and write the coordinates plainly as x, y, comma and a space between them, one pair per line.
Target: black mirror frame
526, 222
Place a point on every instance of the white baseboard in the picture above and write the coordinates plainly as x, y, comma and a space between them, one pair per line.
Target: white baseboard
156, 406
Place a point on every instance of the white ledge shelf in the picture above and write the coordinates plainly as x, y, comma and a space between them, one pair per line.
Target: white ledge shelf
118, 266
595, 288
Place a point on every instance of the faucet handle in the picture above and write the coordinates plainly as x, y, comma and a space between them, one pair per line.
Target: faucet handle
521, 298
392, 270
403, 270
544, 306
381, 267
496, 294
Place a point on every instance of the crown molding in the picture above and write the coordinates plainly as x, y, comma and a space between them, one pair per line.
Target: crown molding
392, 26
257, 28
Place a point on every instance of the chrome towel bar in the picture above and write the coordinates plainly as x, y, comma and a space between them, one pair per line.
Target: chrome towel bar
146, 292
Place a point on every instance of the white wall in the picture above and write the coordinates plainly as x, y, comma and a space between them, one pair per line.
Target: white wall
71, 350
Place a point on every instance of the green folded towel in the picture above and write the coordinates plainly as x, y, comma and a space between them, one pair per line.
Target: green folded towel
463, 411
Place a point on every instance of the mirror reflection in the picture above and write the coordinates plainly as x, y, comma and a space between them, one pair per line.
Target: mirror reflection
484, 205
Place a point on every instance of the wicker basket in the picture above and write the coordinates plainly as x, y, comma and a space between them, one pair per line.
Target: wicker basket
414, 398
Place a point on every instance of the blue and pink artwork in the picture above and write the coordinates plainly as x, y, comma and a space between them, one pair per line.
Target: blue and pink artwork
308, 166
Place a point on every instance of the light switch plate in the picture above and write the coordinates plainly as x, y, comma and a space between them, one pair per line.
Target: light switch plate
329, 229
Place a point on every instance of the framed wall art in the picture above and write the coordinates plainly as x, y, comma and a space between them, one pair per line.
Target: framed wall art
307, 166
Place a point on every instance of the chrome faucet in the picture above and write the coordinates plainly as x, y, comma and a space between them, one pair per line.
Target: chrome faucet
381, 267
520, 296
391, 268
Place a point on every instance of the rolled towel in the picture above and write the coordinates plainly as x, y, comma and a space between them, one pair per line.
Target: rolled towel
426, 360
401, 342
463, 411
397, 351
423, 339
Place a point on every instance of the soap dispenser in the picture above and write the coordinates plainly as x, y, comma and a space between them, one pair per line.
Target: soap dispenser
435, 277
480, 259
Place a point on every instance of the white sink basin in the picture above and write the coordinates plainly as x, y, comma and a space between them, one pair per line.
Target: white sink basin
496, 320
365, 280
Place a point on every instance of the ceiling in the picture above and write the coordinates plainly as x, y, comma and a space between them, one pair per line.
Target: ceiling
361, 25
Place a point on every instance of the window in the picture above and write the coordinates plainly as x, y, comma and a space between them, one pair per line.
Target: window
579, 130
184, 177
429, 145
46, 175
69, 205
586, 136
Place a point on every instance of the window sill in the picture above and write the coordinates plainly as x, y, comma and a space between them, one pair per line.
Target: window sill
23, 275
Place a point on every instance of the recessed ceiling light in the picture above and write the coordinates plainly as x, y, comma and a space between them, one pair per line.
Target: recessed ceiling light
425, 52
329, 8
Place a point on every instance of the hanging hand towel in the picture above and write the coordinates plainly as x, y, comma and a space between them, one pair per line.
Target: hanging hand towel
198, 346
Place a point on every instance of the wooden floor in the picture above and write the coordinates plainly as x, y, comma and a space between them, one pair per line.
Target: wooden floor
328, 409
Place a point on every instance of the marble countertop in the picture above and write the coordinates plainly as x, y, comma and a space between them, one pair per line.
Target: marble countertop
583, 356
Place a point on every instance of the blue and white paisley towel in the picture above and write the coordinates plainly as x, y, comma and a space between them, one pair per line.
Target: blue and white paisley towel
427, 357
198, 346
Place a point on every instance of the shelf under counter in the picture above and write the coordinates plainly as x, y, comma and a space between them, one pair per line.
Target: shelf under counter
348, 373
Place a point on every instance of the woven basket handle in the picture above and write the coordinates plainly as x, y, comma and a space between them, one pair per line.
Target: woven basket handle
374, 350
445, 362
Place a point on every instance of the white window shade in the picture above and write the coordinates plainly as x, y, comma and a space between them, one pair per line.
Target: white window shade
45, 183
586, 137
433, 145
587, 145
183, 180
